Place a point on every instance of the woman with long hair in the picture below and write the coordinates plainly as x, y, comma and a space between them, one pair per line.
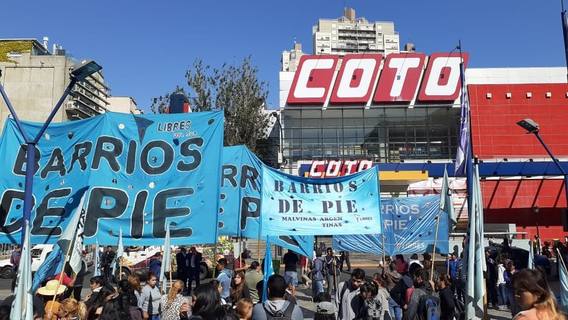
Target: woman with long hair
206, 301
243, 308
134, 282
239, 289
534, 297
72, 309
172, 302
447, 302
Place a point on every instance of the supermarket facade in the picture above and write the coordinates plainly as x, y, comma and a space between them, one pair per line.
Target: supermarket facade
339, 115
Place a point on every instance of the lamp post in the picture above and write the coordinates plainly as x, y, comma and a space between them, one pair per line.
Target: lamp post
532, 127
280, 157
77, 75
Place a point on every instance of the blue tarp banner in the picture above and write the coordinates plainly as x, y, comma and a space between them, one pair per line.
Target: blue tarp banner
141, 172
293, 205
409, 226
239, 212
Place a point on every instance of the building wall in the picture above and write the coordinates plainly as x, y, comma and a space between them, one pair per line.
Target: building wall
34, 84
495, 109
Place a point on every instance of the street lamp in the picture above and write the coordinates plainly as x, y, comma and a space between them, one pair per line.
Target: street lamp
276, 115
77, 75
532, 127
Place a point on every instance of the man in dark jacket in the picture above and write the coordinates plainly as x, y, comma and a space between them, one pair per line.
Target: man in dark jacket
182, 263
194, 260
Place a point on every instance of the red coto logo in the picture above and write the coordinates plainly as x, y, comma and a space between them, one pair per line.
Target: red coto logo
368, 78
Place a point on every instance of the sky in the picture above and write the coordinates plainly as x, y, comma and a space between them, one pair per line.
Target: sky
145, 47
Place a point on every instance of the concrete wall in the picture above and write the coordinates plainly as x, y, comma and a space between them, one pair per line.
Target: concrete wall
34, 84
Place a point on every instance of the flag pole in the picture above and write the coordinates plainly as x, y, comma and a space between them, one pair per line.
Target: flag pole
434, 249
67, 253
384, 251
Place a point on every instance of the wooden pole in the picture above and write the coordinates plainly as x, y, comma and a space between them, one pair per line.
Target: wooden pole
384, 251
434, 249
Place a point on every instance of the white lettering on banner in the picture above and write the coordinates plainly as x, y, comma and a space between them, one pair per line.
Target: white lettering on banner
345, 90
302, 90
435, 85
337, 168
402, 65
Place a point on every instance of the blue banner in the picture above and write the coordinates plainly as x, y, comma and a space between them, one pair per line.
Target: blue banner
239, 212
409, 226
141, 173
293, 205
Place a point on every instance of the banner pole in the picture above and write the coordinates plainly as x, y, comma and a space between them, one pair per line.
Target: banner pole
384, 251
434, 249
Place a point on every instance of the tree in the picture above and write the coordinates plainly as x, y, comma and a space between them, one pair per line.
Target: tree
237, 91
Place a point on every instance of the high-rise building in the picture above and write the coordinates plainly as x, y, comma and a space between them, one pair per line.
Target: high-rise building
291, 59
35, 78
349, 34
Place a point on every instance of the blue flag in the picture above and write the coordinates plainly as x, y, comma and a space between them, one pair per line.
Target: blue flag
463, 154
268, 269
446, 202
55, 261
166, 262
97, 260
22, 307
530, 264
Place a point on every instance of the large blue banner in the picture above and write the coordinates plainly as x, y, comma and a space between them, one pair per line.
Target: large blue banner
409, 226
140, 172
293, 205
239, 213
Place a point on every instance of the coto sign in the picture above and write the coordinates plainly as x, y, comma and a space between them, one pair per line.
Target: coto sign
337, 168
365, 79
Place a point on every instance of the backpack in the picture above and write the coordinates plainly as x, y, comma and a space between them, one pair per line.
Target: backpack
374, 309
429, 307
280, 315
398, 292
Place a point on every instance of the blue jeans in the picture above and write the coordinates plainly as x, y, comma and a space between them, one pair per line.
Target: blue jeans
395, 310
291, 277
155, 317
502, 295
317, 287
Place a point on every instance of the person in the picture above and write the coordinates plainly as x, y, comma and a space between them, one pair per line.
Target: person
447, 303
239, 289
413, 260
332, 271
172, 302
346, 291
510, 270
291, 261
182, 264
534, 297
502, 297
15, 262
151, 298
95, 309
71, 309
77, 287
194, 258
401, 265
325, 309
52, 288
391, 276
252, 277
344, 257
417, 305
224, 278
276, 305
155, 264
318, 274
244, 309
118, 304
107, 259
491, 279
240, 264
205, 302
134, 282
383, 297
95, 284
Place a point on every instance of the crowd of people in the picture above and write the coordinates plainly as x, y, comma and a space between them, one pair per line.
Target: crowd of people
399, 289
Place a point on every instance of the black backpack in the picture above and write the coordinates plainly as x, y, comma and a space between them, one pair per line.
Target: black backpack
280, 315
